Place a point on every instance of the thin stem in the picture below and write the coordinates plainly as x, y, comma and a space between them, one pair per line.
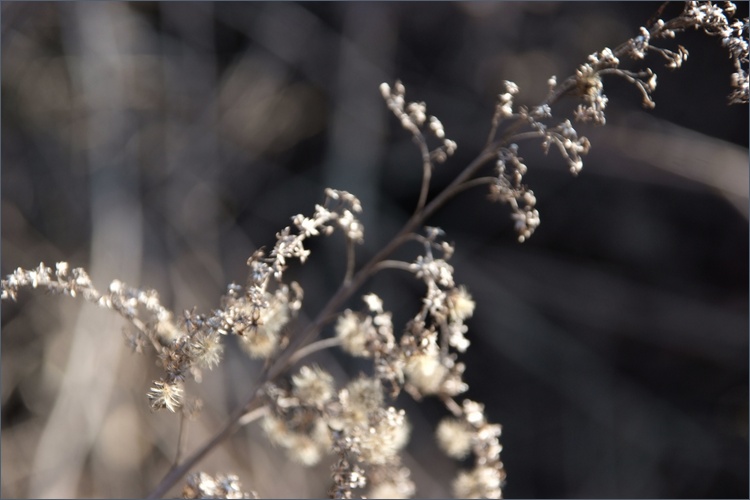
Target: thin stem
426, 171
252, 416
141, 327
531, 134
181, 438
451, 404
314, 347
350, 260
496, 119
176, 473
479, 181
392, 264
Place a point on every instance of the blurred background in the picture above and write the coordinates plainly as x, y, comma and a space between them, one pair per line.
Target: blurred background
162, 143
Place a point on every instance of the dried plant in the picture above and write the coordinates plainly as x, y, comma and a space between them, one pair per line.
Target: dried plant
356, 426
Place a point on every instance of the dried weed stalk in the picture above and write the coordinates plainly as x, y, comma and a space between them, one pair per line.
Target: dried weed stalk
357, 425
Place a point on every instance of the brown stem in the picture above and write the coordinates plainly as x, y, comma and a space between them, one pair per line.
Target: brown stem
181, 438
314, 347
426, 173
178, 471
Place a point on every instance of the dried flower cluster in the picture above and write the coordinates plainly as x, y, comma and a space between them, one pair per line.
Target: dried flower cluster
202, 485
413, 116
467, 432
422, 360
354, 424
311, 419
519, 123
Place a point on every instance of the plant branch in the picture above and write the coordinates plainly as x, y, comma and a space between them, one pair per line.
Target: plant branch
314, 347
345, 291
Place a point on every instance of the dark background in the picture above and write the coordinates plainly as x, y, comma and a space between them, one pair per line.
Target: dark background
162, 143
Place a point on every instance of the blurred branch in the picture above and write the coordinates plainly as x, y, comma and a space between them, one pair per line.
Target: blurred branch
717, 164
97, 33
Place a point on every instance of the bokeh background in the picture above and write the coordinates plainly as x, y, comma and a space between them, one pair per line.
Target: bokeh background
162, 143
